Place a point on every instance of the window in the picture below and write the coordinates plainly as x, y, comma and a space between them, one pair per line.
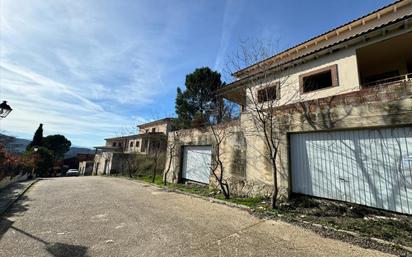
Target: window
319, 79
114, 144
147, 131
131, 144
120, 144
268, 93
137, 143
153, 130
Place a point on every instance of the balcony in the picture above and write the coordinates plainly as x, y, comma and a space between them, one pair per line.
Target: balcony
401, 78
386, 62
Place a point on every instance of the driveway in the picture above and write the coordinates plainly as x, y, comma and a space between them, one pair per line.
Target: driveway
98, 216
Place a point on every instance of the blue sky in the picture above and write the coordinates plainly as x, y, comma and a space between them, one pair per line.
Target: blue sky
93, 69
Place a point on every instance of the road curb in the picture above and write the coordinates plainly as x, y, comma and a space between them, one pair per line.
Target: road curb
15, 199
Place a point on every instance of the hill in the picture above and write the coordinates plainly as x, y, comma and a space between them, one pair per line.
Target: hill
18, 145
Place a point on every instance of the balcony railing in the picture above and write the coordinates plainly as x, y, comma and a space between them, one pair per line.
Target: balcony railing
400, 78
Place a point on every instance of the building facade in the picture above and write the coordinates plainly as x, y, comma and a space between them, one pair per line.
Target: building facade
151, 139
343, 116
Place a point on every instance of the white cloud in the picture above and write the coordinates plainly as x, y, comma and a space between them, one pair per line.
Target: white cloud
231, 17
36, 99
73, 65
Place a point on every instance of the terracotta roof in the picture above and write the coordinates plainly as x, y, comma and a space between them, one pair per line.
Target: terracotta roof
328, 35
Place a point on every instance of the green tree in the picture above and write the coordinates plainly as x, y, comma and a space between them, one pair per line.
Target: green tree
199, 99
37, 138
41, 161
58, 144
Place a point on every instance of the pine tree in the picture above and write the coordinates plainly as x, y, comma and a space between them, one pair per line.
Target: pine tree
198, 100
37, 138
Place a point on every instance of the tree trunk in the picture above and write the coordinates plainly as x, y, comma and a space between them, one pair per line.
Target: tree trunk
275, 184
168, 168
154, 170
225, 190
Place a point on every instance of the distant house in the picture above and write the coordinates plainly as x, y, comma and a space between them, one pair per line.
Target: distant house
152, 137
86, 168
344, 115
72, 162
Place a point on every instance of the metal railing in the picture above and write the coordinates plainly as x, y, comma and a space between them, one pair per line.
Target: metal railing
400, 78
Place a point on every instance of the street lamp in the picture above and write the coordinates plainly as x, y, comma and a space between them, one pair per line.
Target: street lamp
35, 149
5, 109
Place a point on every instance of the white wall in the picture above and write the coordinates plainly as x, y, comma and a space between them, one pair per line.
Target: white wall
7, 180
348, 79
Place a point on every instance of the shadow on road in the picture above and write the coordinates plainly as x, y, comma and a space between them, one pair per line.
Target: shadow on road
58, 249
66, 250
55, 249
17, 209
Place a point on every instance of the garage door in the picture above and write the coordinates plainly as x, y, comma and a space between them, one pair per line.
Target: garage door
370, 167
196, 163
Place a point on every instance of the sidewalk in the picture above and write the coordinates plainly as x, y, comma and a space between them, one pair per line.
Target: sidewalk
12, 193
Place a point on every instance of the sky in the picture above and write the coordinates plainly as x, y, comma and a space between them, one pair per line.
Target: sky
93, 69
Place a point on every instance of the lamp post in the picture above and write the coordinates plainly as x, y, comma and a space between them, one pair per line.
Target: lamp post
5, 109
35, 149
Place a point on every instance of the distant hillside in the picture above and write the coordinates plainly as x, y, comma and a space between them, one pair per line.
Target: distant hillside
18, 145
75, 150
13, 144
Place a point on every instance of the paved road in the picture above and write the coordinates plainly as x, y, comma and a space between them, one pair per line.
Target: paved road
97, 216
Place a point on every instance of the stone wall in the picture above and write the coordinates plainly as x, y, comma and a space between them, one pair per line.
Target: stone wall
114, 163
245, 154
233, 149
379, 106
10, 180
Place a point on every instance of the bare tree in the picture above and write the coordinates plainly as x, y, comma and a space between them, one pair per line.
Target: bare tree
220, 133
156, 155
219, 124
130, 163
262, 92
173, 143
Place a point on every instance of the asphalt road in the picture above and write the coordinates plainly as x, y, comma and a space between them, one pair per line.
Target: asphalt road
97, 216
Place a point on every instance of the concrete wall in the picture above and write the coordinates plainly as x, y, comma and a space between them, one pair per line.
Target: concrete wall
233, 149
86, 167
163, 128
99, 162
346, 61
134, 148
8, 180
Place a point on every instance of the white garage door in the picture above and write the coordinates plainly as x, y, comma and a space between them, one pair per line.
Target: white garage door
196, 163
370, 167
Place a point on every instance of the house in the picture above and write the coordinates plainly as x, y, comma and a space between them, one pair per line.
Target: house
151, 139
71, 163
344, 115
86, 167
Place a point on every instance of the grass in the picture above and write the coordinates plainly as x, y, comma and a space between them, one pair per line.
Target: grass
252, 202
146, 178
365, 221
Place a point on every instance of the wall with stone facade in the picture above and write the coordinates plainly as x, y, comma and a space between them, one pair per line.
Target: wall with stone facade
245, 154
233, 155
380, 106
